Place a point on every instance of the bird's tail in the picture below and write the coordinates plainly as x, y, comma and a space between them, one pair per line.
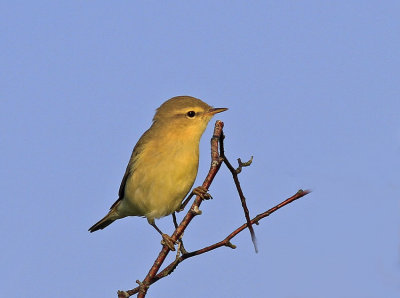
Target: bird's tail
106, 220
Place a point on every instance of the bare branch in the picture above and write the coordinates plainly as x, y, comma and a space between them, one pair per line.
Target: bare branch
216, 161
225, 242
235, 173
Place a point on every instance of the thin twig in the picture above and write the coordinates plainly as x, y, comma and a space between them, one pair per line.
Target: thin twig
225, 242
216, 161
235, 173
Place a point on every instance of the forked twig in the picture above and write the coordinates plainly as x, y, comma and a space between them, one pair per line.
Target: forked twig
216, 161
225, 242
235, 173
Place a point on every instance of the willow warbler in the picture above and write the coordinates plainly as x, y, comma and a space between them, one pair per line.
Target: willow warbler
163, 164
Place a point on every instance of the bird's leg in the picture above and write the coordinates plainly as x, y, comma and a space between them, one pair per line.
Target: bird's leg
174, 220
185, 202
198, 191
181, 248
167, 240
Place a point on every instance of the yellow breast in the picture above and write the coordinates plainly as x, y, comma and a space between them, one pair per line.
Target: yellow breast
163, 174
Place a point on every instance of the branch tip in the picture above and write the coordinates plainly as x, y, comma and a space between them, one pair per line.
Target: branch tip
243, 164
303, 192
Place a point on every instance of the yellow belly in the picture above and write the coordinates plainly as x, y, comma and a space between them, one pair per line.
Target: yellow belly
161, 179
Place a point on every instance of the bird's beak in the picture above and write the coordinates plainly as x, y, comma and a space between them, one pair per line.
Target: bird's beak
214, 111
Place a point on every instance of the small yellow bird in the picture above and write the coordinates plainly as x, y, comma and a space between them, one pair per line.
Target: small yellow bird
164, 163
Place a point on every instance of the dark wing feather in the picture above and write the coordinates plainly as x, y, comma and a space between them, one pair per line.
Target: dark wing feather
130, 168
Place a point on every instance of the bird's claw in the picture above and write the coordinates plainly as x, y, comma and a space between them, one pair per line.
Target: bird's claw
202, 192
167, 240
198, 191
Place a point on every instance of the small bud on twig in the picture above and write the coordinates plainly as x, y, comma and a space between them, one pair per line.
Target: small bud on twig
229, 244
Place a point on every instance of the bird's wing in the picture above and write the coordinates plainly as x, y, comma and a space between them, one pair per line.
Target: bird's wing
121, 192
131, 166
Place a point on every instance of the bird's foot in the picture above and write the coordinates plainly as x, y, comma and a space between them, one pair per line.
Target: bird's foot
198, 191
202, 192
167, 240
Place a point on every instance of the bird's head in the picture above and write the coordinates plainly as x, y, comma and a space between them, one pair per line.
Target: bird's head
185, 113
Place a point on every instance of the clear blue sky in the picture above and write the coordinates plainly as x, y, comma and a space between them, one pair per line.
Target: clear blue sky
313, 93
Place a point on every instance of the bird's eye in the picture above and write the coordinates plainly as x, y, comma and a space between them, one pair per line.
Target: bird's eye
191, 114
